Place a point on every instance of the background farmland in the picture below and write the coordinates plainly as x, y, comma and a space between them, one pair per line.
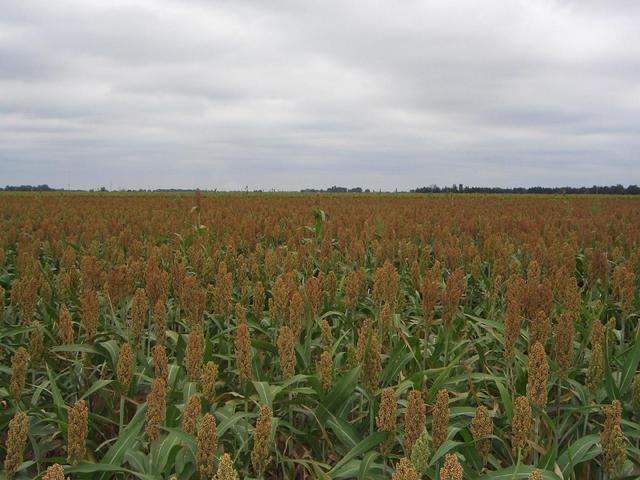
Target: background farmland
319, 336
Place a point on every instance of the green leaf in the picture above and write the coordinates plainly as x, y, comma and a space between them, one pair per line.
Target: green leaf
230, 421
446, 447
188, 441
57, 397
342, 390
580, 451
75, 348
112, 349
630, 366
137, 460
129, 437
365, 445
98, 385
366, 464
505, 397
189, 388
176, 438
352, 469
265, 393
521, 472
343, 429
86, 467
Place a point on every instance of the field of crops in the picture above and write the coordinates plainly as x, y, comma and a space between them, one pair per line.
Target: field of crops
269, 336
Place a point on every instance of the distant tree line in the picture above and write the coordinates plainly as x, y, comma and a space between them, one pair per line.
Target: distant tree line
28, 188
456, 188
595, 189
335, 189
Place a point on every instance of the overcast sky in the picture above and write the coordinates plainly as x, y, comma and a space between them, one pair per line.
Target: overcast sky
293, 94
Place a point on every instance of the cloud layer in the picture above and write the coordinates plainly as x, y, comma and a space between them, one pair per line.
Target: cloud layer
289, 94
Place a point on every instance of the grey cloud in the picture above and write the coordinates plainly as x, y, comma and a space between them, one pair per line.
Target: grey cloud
292, 94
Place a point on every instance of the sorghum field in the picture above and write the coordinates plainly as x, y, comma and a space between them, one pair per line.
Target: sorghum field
244, 336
